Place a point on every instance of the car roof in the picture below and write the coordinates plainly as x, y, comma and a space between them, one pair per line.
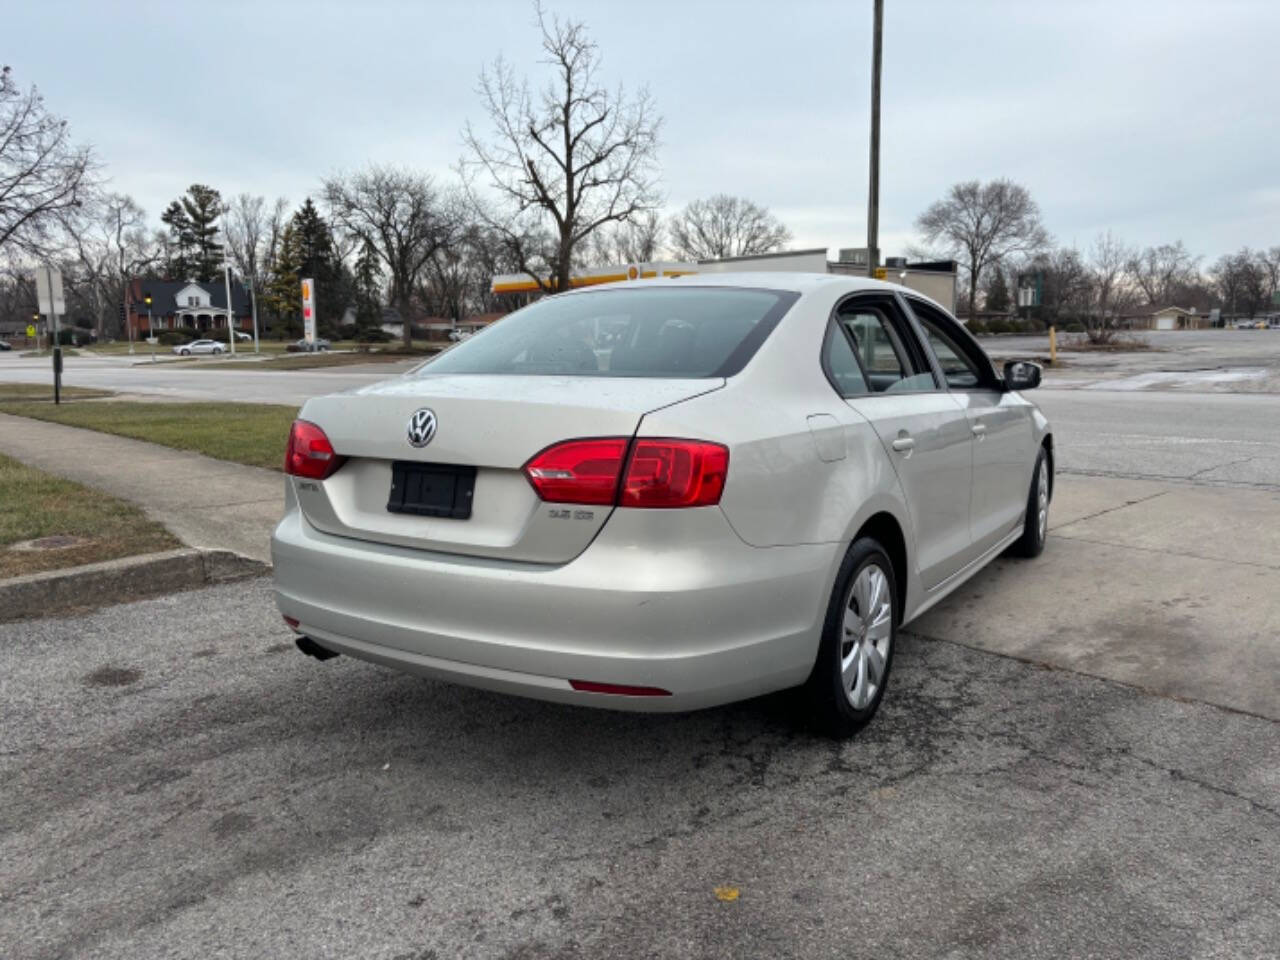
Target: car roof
793, 281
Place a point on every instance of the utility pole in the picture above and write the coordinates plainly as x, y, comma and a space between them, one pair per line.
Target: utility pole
231, 325
873, 200
253, 308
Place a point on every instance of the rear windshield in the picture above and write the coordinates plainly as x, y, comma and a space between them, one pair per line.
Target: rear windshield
645, 332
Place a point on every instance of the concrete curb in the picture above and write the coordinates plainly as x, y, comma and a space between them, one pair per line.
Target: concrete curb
118, 581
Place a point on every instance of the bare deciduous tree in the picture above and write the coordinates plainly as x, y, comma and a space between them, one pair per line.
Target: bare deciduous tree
111, 247
44, 177
245, 222
1112, 287
724, 226
1269, 261
566, 161
398, 215
639, 241
1241, 279
983, 223
1163, 272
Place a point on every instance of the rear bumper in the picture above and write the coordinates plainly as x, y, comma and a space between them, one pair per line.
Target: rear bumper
695, 611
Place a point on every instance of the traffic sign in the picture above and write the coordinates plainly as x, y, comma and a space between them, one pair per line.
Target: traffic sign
49, 290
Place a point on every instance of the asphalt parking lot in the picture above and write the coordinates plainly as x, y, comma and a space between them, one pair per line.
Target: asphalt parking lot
180, 782
1078, 756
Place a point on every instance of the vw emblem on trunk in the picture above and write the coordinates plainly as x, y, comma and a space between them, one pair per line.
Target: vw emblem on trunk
422, 427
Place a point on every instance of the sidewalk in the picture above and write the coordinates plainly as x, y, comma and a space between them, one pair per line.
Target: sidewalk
206, 503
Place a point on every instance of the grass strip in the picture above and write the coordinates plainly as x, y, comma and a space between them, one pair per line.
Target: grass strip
249, 433
35, 504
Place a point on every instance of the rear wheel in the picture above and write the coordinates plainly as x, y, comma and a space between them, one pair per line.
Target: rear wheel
849, 677
1035, 530
185, 353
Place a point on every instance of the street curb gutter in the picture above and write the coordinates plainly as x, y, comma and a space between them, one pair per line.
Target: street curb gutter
117, 581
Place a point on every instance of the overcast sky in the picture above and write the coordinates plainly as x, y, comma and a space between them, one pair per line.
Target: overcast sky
1159, 120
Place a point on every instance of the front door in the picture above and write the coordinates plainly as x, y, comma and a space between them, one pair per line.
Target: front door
1003, 448
923, 429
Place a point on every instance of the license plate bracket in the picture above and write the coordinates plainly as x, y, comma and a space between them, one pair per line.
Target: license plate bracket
432, 489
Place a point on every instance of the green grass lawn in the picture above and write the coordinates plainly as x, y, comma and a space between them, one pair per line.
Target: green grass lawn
20, 392
250, 433
35, 504
314, 361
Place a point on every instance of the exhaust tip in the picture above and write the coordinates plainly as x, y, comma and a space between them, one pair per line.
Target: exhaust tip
313, 649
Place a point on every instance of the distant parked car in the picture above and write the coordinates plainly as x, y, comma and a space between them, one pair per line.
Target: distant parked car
198, 346
243, 336
458, 335
319, 343
4, 345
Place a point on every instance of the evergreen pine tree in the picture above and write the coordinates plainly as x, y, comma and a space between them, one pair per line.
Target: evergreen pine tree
998, 292
284, 291
318, 260
177, 264
202, 206
368, 290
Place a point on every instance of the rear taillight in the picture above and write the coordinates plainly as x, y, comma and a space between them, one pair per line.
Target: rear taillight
674, 473
658, 472
310, 454
578, 471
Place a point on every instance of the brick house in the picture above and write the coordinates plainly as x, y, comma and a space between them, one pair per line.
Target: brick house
185, 303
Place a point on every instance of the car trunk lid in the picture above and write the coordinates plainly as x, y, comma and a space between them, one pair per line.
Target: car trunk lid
493, 424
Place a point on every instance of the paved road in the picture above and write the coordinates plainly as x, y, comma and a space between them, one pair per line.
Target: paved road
1210, 437
179, 381
178, 781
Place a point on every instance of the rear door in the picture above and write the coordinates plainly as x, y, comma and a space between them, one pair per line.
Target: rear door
877, 362
1003, 453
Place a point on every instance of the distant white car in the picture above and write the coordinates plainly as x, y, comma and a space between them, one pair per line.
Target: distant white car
198, 346
242, 337
459, 335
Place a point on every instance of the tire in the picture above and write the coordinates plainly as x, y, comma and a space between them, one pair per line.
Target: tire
840, 707
216, 351
184, 353
1035, 529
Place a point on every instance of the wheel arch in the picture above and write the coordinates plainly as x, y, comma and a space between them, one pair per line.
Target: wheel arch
1047, 444
884, 528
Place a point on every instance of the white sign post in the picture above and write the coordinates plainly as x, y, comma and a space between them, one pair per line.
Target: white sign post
52, 304
309, 311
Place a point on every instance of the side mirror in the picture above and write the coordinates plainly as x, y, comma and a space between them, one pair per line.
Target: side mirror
1021, 375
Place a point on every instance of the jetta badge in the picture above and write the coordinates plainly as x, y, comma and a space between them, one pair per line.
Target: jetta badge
422, 427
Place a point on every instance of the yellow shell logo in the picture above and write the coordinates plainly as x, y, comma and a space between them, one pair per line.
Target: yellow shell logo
306, 291
632, 273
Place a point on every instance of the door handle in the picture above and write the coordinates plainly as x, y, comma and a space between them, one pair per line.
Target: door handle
903, 444
979, 430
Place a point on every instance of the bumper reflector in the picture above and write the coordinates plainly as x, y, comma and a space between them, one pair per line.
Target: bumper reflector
292, 622
619, 689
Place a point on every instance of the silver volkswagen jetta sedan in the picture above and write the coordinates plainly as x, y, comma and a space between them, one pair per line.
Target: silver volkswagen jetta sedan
664, 495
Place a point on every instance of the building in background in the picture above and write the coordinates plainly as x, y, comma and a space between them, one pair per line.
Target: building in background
181, 303
935, 279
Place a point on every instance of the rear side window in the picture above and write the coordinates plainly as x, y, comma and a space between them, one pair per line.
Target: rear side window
640, 332
870, 350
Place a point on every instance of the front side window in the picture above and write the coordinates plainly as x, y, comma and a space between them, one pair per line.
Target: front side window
959, 364
688, 332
